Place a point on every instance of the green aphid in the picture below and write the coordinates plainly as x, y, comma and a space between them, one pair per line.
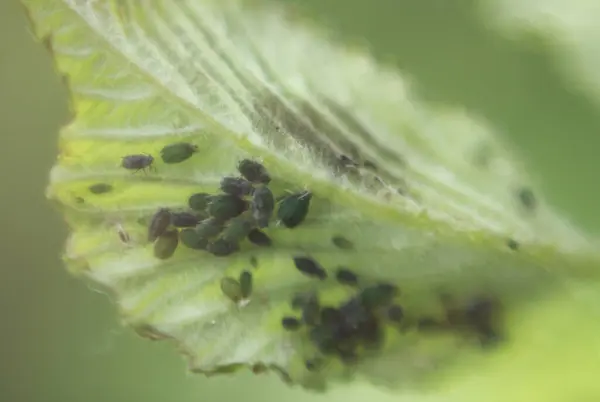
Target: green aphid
512, 244
209, 228
222, 248
293, 209
100, 188
378, 295
527, 198
342, 243
190, 238
225, 206
159, 223
346, 277
199, 201
177, 152
232, 289
259, 238
246, 284
166, 244
263, 205
238, 228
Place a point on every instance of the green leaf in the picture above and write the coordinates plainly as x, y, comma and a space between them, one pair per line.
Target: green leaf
429, 200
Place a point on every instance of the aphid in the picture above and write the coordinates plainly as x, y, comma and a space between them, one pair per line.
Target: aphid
294, 208
259, 368
177, 152
123, 235
263, 205
190, 238
342, 243
137, 162
232, 289
246, 284
290, 323
226, 206
378, 295
184, 219
254, 262
480, 314
369, 165
345, 161
259, 238
310, 267
159, 223
166, 244
512, 244
236, 186
527, 198
253, 171
222, 248
324, 339
395, 313
237, 229
354, 313
346, 277
330, 315
79, 200
199, 201
311, 309
209, 227
100, 188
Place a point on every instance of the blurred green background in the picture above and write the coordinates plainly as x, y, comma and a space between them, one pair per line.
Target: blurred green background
61, 341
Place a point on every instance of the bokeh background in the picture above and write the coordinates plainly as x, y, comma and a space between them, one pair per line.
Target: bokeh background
61, 341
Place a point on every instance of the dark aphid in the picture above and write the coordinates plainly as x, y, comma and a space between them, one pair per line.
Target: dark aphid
310, 267
354, 312
100, 188
166, 244
310, 309
346, 277
178, 152
313, 364
378, 295
236, 186
259, 238
480, 315
512, 244
199, 201
210, 227
294, 208
253, 171
190, 238
323, 337
184, 219
330, 316
395, 313
301, 299
231, 288
137, 162
263, 205
290, 323
159, 223
222, 248
342, 243
246, 284
237, 229
527, 198
226, 206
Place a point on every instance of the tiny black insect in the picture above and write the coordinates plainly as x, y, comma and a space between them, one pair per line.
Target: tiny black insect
137, 162
260, 238
342, 243
246, 284
184, 219
236, 186
527, 198
177, 152
346, 277
222, 248
100, 188
294, 208
159, 223
253, 171
263, 205
310, 267
290, 323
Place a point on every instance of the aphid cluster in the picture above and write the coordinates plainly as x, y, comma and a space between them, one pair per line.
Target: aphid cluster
357, 323
218, 223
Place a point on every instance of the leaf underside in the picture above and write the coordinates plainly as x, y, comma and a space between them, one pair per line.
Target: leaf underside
432, 201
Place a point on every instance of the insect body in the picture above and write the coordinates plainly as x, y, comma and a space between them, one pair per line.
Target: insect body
137, 162
253, 171
177, 152
166, 244
226, 206
159, 223
259, 238
236, 186
238, 229
263, 204
310, 267
294, 208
